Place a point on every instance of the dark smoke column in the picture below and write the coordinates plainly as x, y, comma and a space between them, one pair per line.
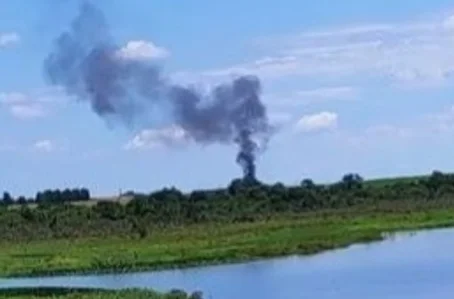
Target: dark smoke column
246, 156
86, 63
250, 121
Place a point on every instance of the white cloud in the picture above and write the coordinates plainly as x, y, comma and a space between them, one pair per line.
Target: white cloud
9, 39
142, 50
152, 138
35, 104
406, 53
22, 106
317, 122
44, 146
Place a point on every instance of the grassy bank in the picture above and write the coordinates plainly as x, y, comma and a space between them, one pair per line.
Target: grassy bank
65, 293
213, 244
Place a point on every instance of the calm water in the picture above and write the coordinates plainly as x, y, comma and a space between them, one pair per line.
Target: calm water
417, 266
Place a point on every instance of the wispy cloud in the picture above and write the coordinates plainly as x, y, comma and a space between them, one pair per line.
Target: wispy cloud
313, 96
49, 146
436, 126
418, 53
9, 39
32, 105
7, 147
27, 111
280, 118
44, 146
443, 121
328, 92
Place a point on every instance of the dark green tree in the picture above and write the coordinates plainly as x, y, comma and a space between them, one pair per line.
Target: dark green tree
84, 194
22, 200
352, 181
7, 198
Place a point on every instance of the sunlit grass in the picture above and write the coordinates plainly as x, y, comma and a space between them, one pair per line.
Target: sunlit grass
212, 244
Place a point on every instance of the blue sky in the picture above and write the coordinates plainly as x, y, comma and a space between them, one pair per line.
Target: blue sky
355, 86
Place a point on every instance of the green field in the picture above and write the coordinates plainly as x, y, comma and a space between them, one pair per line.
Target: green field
212, 244
381, 182
62, 293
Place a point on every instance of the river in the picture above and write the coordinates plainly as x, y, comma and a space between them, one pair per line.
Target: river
415, 266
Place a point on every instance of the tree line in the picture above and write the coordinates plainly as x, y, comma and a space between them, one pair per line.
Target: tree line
49, 196
241, 201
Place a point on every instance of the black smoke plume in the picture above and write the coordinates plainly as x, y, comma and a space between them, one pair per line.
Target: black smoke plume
85, 60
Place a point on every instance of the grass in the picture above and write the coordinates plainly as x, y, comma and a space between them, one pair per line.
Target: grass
213, 244
67, 293
378, 183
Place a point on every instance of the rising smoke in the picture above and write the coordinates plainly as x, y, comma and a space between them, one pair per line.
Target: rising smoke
85, 61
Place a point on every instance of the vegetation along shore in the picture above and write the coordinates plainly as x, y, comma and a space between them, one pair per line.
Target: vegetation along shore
68, 293
245, 221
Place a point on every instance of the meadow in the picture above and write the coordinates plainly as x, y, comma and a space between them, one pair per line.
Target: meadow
197, 245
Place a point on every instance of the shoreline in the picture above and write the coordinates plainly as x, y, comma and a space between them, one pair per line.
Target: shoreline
91, 293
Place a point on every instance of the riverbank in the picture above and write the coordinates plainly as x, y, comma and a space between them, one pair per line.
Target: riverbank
67, 293
211, 244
